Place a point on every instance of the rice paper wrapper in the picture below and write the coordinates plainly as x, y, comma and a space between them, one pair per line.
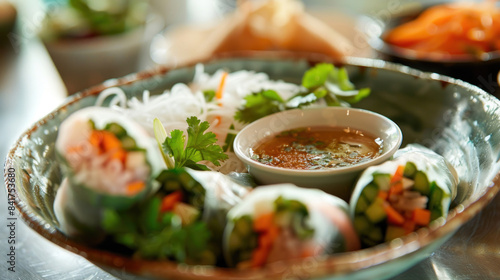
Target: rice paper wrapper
76, 219
79, 202
76, 128
328, 216
435, 166
222, 193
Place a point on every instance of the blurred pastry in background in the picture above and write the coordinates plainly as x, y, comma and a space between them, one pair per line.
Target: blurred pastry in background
8, 15
258, 25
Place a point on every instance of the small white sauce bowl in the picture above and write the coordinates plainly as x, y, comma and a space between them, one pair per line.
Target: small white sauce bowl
337, 181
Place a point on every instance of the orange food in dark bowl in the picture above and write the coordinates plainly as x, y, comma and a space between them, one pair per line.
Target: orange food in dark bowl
451, 31
460, 40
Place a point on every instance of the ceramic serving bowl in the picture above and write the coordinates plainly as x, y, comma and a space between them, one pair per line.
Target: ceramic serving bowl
337, 181
82, 63
479, 70
457, 120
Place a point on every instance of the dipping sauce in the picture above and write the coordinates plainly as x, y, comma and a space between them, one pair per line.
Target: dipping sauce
321, 147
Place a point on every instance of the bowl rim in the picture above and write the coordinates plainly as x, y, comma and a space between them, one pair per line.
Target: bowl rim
340, 264
319, 172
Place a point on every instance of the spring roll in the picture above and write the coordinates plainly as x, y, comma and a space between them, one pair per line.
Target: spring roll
284, 222
183, 221
402, 195
109, 161
213, 193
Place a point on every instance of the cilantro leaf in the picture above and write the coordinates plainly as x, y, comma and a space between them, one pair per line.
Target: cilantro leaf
260, 104
200, 145
174, 146
317, 75
209, 95
335, 81
301, 100
228, 143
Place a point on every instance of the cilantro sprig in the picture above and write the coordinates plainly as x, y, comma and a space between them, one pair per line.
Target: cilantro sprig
200, 145
322, 82
332, 84
260, 104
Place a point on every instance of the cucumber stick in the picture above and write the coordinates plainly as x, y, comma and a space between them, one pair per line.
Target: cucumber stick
383, 181
361, 224
394, 232
370, 193
362, 204
375, 234
243, 226
435, 199
421, 183
376, 212
410, 170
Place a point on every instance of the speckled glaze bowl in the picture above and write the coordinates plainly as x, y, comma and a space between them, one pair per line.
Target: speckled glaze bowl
457, 120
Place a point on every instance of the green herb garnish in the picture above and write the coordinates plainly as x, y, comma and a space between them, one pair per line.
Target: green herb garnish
322, 82
333, 84
260, 104
209, 95
200, 145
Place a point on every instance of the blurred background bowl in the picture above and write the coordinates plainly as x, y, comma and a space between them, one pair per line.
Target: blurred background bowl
480, 70
88, 47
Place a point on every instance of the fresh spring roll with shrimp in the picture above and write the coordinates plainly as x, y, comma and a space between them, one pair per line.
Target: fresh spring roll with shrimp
183, 221
402, 195
285, 222
109, 162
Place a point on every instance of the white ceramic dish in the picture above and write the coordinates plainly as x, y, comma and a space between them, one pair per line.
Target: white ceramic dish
337, 181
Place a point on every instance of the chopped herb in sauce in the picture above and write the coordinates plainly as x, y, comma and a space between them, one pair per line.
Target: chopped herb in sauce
312, 148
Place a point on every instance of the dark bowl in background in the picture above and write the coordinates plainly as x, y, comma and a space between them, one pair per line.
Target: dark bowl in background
481, 71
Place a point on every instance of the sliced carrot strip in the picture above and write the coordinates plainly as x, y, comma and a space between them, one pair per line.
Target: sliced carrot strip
110, 142
95, 139
409, 226
393, 216
398, 175
264, 222
308, 252
266, 241
169, 201
220, 89
104, 141
383, 194
120, 155
421, 217
273, 232
396, 188
135, 187
259, 256
450, 28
